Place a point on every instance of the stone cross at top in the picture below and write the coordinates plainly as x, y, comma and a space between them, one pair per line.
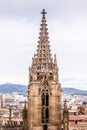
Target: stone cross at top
43, 12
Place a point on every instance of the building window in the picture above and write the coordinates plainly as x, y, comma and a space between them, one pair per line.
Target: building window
51, 76
31, 78
43, 115
45, 127
47, 115
76, 122
39, 76
43, 99
45, 103
47, 99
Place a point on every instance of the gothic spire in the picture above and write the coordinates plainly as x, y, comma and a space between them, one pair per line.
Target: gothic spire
42, 62
43, 50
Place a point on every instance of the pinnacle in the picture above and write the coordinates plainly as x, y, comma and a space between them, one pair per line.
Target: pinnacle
43, 50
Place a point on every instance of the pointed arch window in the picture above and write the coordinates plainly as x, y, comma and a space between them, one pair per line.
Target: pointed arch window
47, 99
45, 104
43, 98
45, 127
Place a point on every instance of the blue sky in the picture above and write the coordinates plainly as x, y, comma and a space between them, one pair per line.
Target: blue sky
19, 30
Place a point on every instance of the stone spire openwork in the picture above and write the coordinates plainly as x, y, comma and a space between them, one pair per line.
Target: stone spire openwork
42, 61
44, 89
43, 52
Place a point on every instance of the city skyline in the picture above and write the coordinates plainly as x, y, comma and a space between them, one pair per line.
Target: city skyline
19, 32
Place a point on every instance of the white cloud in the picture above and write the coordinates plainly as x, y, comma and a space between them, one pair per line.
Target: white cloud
16, 47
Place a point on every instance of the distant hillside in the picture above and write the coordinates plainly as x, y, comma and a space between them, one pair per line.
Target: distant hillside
9, 88
74, 91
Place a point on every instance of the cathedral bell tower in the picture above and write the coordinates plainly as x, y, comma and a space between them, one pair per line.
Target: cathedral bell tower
44, 90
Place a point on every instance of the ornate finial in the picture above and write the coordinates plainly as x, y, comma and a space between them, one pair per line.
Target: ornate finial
65, 104
55, 61
43, 12
25, 104
54, 56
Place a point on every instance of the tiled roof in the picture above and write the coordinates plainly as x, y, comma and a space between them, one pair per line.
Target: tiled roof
78, 117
